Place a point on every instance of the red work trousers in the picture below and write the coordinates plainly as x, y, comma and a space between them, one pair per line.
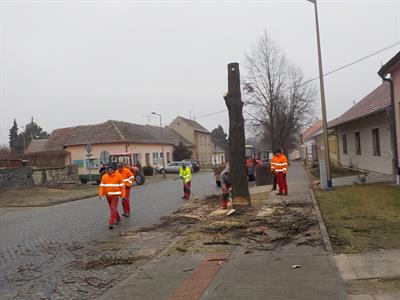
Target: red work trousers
186, 189
125, 201
283, 188
114, 215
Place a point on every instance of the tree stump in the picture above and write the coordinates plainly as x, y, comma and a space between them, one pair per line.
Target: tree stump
233, 101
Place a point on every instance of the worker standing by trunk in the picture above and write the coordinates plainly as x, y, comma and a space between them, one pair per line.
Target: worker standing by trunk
275, 179
281, 169
128, 179
113, 187
226, 182
186, 175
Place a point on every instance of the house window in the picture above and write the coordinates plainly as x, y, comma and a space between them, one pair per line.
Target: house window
92, 163
135, 158
78, 163
104, 157
168, 160
344, 142
155, 155
375, 142
147, 156
358, 143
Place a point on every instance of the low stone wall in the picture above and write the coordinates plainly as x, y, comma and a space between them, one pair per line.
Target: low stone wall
27, 177
16, 178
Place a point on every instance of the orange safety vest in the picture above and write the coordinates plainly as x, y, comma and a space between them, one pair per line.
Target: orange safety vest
281, 163
273, 161
127, 176
112, 185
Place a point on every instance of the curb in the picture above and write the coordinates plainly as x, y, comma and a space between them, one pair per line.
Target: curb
327, 243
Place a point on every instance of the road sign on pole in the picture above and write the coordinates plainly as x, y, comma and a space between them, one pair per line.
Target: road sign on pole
89, 148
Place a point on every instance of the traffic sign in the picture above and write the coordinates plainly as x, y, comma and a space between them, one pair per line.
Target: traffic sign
88, 148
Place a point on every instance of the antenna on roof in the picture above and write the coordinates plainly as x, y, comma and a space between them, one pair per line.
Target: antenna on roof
354, 102
190, 114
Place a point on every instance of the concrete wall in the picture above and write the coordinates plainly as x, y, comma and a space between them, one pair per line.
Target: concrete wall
366, 160
26, 177
78, 153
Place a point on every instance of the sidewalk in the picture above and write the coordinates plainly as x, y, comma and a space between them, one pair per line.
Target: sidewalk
241, 275
371, 178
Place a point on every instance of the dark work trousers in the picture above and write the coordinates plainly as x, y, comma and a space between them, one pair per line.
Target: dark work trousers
275, 181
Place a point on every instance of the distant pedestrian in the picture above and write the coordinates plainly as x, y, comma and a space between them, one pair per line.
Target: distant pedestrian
274, 177
226, 184
281, 169
112, 186
103, 170
186, 175
128, 179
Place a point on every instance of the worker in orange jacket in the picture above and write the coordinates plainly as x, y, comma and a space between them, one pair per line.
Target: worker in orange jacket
112, 186
275, 179
128, 179
281, 169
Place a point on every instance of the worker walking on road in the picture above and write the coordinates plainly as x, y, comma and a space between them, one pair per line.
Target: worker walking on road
112, 186
281, 169
186, 175
275, 179
128, 179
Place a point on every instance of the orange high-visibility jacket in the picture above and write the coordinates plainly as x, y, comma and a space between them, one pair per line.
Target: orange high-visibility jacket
273, 161
112, 185
127, 176
281, 163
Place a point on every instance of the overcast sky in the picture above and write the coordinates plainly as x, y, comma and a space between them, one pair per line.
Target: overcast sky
70, 62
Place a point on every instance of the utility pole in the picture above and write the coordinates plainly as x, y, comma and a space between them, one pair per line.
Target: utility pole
233, 101
162, 142
328, 184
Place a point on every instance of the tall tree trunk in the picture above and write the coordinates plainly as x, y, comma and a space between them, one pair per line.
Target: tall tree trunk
237, 163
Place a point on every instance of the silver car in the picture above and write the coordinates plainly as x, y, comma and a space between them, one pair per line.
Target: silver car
173, 167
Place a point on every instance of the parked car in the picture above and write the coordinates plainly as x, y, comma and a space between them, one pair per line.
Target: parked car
173, 167
195, 164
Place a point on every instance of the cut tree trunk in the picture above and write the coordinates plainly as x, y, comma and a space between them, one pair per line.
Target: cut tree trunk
233, 101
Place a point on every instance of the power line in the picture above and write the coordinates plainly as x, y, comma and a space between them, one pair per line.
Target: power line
325, 74
354, 62
211, 114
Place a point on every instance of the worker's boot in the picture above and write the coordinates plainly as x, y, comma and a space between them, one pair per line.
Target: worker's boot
111, 226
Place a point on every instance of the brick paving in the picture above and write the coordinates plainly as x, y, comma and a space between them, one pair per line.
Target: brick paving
38, 246
195, 285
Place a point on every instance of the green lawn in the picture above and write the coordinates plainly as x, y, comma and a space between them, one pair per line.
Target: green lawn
361, 218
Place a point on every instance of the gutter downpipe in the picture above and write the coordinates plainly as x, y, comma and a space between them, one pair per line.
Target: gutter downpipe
396, 169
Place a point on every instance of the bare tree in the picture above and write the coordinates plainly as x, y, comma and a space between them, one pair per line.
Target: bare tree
281, 104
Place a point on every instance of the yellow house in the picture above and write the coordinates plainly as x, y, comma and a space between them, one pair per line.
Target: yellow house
197, 135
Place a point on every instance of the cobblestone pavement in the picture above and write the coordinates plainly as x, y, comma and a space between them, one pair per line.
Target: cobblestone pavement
45, 252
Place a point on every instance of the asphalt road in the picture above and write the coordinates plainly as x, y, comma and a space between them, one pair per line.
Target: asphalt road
86, 220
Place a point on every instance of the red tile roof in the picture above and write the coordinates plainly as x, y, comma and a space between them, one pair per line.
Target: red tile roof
314, 128
36, 146
112, 132
376, 101
58, 138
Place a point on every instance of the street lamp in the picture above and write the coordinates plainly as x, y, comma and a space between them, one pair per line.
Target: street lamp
323, 106
162, 142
